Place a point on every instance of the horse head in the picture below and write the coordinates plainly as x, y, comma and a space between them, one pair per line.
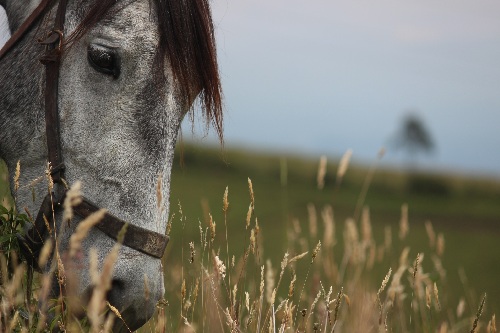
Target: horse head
130, 70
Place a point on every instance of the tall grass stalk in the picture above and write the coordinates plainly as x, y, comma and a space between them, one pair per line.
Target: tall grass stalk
223, 291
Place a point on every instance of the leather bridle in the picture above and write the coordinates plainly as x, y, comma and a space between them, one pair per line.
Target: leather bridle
140, 239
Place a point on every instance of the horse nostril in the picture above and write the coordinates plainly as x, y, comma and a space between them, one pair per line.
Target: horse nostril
116, 292
117, 284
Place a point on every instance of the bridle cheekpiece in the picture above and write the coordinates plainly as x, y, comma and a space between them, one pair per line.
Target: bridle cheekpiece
138, 238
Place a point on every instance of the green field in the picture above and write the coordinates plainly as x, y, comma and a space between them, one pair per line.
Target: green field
465, 210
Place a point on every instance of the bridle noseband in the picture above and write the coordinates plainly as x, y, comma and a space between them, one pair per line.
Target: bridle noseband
140, 239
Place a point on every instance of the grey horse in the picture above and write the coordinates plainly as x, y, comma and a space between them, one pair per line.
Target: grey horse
131, 70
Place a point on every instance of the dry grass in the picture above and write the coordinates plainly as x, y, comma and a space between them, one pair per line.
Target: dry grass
321, 284
256, 295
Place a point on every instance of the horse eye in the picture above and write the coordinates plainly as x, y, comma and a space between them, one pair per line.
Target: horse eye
104, 60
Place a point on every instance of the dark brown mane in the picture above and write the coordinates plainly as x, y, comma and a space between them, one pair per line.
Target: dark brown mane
186, 41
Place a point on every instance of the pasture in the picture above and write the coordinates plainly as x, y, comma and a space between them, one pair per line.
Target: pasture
463, 211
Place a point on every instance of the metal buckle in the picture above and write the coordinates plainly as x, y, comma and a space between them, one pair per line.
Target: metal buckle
53, 37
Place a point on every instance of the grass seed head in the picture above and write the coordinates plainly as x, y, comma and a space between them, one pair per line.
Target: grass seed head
117, 313
17, 174
273, 297
14, 321
321, 172
313, 220
344, 164
261, 289
235, 293
340, 296
229, 320
291, 288
478, 314
114, 310
252, 196
196, 289
220, 267
328, 227
366, 227
61, 272
347, 300
192, 252
187, 324
13, 287
211, 224
436, 296
47, 223
428, 299
247, 301
396, 288
492, 325
159, 195
316, 251
403, 258
380, 290
252, 241
440, 245
249, 216
83, 229
108, 266
387, 238
351, 235
73, 198
430, 234
404, 225
313, 305
169, 224
443, 328
183, 290
269, 281
50, 181
93, 264
415, 266
298, 257
45, 253
284, 262
384, 282
102, 283
108, 324
461, 307
225, 201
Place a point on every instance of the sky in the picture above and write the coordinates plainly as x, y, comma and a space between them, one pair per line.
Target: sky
320, 77
323, 76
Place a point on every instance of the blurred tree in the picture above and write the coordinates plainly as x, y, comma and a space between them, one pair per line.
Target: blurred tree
413, 137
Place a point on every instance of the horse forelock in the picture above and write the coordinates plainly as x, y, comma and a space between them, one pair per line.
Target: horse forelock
186, 43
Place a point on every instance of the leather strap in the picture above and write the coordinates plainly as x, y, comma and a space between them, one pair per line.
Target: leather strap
137, 238
52, 60
25, 27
